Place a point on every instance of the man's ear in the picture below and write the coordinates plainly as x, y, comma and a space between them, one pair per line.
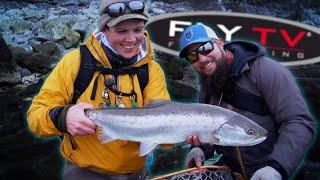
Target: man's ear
219, 42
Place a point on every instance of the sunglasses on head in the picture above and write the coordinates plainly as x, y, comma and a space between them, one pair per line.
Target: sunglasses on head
119, 8
204, 49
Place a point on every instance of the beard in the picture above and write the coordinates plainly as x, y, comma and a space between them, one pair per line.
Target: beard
211, 86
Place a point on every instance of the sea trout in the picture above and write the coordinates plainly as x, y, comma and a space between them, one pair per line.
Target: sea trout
168, 122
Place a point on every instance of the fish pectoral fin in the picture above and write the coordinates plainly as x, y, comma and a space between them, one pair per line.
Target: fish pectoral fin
103, 136
145, 148
211, 139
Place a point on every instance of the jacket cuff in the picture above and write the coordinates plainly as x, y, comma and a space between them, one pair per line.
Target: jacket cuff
58, 117
278, 167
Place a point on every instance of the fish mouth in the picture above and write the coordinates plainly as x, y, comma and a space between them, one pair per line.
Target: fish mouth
245, 142
253, 141
232, 135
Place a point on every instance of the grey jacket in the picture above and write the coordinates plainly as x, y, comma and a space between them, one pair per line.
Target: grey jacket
289, 124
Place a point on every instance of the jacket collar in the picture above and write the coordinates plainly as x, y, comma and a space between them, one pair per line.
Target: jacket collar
243, 52
95, 48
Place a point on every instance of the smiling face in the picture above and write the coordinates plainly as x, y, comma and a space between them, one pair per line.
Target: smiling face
126, 37
207, 64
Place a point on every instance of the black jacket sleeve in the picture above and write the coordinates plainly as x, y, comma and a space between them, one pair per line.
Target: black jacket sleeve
285, 102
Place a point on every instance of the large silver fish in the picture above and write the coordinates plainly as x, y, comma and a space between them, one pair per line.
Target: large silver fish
168, 122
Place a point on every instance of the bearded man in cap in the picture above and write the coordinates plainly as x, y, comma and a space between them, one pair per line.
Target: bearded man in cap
238, 76
58, 110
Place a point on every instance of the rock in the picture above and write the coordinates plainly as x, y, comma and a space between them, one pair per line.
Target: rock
32, 79
5, 52
48, 26
20, 56
42, 38
28, 48
39, 62
7, 36
28, 91
9, 75
22, 38
11, 119
33, 14
66, 36
182, 92
23, 71
69, 19
19, 26
4, 23
84, 25
14, 13
173, 69
48, 48
8, 69
190, 78
33, 43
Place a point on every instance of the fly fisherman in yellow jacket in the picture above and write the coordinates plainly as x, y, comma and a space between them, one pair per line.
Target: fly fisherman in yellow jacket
115, 68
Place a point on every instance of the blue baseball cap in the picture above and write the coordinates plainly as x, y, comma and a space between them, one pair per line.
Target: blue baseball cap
195, 34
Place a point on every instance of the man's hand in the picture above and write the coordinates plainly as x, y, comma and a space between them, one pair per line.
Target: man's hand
195, 158
193, 140
78, 124
266, 173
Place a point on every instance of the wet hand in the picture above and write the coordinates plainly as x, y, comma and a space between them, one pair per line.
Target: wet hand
266, 173
193, 140
195, 158
78, 124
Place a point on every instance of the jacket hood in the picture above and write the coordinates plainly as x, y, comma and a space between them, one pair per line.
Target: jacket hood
243, 52
94, 46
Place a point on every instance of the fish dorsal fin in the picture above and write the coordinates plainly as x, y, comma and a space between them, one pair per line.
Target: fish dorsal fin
145, 148
157, 103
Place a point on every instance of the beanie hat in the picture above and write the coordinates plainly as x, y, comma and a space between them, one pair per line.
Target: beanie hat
106, 20
195, 34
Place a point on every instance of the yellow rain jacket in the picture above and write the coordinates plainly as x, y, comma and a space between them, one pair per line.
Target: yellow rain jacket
117, 157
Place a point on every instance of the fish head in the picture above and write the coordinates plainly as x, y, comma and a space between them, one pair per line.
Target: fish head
240, 131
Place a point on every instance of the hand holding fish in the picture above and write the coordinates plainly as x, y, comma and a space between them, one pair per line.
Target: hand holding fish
168, 122
195, 158
78, 124
193, 140
266, 173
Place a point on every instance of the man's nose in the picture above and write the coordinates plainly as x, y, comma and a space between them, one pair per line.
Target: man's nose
130, 37
201, 58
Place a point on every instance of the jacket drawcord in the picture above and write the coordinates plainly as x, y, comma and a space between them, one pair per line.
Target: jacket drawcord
133, 98
240, 159
238, 152
73, 143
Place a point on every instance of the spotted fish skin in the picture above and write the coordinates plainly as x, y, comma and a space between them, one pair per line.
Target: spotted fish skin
168, 122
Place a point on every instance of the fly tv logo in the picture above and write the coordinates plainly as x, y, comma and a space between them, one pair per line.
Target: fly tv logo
289, 42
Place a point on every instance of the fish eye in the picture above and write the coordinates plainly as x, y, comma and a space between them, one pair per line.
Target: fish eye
251, 132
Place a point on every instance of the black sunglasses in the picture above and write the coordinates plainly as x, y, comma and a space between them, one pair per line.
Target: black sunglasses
119, 8
204, 49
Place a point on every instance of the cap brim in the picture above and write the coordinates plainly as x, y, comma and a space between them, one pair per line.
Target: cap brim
182, 53
119, 19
